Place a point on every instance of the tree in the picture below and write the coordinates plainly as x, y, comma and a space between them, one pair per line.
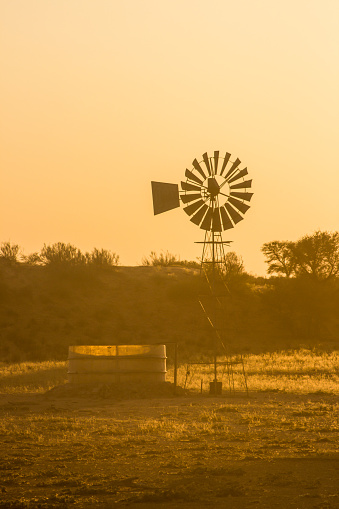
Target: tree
317, 255
60, 253
233, 265
280, 257
9, 252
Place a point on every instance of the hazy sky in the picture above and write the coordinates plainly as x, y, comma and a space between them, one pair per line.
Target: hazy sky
98, 98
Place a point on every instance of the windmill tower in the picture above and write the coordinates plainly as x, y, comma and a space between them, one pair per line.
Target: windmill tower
215, 196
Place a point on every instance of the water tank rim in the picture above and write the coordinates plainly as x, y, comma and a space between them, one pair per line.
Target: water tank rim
100, 357
112, 372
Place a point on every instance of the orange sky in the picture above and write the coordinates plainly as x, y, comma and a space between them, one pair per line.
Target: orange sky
98, 98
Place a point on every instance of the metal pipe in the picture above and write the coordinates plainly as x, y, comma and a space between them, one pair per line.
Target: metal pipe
175, 367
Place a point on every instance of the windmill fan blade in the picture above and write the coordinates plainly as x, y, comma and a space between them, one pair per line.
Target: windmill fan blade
236, 217
242, 196
206, 224
207, 162
216, 225
233, 167
201, 191
186, 198
241, 173
165, 197
199, 168
190, 209
216, 160
239, 205
197, 218
186, 186
242, 185
191, 176
226, 159
226, 222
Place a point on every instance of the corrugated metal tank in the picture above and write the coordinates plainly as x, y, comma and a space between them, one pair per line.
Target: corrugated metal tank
117, 363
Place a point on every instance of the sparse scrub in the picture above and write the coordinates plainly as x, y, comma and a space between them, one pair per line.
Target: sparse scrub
163, 259
46, 308
166, 259
61, 254
103, 258
233, 266
9, 252
33, 259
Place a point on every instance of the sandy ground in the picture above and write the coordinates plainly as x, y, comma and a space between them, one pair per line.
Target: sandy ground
271, 450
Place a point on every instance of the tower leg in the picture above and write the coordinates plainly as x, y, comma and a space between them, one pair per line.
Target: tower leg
213, 305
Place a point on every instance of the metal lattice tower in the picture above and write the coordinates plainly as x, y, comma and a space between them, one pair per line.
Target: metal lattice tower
214, 307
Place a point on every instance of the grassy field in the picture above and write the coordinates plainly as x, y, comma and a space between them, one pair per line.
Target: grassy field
299, 371
278, 447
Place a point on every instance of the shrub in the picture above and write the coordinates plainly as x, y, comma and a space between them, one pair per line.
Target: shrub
102, 258
166, 260
32, 259
9, 252
233, 265
60, 253
191, 264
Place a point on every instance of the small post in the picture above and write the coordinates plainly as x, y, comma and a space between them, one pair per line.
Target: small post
175, 367
215, 370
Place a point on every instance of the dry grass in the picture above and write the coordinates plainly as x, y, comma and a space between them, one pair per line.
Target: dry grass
298, 371
186, 452
192, 452
31, 377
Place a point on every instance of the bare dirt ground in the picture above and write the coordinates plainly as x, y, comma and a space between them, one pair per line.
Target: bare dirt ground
76, 449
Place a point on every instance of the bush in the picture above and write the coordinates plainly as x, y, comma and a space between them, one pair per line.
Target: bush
233, 266
164, 259
9, 252
62, 254
102, 258
167, 260
32, 259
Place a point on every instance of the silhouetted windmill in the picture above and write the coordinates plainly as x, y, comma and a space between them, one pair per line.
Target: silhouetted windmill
215, 196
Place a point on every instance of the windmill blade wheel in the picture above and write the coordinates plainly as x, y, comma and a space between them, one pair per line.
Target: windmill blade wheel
215, 193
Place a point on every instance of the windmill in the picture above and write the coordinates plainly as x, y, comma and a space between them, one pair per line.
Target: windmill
215, 196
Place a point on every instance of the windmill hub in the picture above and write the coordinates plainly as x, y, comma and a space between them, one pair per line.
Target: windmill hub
213, 187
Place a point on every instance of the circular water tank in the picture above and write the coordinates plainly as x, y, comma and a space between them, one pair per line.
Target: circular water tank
116, 363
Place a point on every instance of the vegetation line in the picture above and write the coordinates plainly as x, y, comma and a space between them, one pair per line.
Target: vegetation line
61, 297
